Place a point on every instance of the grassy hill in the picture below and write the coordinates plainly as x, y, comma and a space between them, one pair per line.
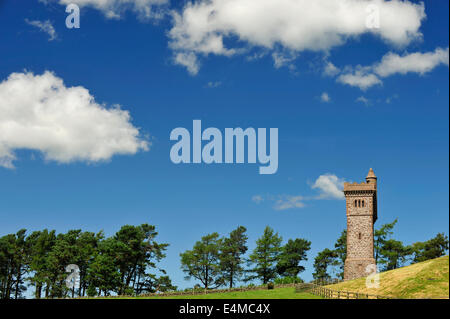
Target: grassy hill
278, 293
428, 279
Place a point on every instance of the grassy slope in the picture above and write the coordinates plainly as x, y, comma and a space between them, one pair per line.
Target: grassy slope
279, 293
428, 279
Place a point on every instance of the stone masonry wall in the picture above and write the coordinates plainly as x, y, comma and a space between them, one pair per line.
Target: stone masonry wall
359, 235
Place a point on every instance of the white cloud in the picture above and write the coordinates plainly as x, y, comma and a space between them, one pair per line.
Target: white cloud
281, 59
257, 199
330, 69
44, 26
363, 100
203, 26
114, 9
391, 63
325, 97
38, 112
289, 202
421, 63
360, 78
330, 187
188, 60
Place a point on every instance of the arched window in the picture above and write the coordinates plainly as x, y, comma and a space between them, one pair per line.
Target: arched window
363, 203
359, 203
359, 236
356, 203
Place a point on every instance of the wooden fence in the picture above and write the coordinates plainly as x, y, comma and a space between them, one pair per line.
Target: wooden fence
327, 293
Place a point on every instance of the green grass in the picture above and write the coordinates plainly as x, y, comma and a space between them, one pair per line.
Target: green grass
428, 279
278, 293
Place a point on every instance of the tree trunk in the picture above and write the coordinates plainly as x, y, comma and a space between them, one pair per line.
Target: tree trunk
37, 293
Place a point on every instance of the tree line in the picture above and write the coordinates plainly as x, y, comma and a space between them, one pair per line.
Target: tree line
220, 261
388, 253
122, 264
126, 263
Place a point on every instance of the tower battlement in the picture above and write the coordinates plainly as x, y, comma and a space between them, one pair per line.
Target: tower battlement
348, 187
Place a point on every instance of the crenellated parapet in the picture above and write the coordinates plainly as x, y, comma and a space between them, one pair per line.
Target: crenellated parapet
364, 186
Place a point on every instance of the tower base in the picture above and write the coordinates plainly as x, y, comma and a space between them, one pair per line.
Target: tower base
358, 267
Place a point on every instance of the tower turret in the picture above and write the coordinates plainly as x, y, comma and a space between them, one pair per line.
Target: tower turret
371, 178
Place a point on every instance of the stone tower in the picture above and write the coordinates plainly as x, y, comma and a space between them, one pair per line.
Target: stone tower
361, 215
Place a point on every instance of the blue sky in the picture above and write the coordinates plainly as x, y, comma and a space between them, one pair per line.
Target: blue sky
399, 124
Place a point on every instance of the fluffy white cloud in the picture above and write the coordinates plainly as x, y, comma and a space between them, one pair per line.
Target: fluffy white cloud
360, 79
38, 112
330, 69
325, 97
392, 63
188, 60
203, 26
113, 9
330, 186
418, 62
44, 26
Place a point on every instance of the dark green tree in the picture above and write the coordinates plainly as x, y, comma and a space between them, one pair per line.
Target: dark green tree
136, 248
91, 291
265, 256
6, 265
103, 272
118, 264
323, 260
152, 284
203, 262
231, 251
21, 261
64, 252
430, 249
292, 254
41, 243
394, 254
381, 235
340, 248
87, 245
14, 255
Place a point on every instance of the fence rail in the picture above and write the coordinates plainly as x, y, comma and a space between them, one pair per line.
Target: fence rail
327, 293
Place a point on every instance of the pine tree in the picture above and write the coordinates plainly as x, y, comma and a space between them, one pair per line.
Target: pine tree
292, 254
265, 256
202, 262
231, 252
